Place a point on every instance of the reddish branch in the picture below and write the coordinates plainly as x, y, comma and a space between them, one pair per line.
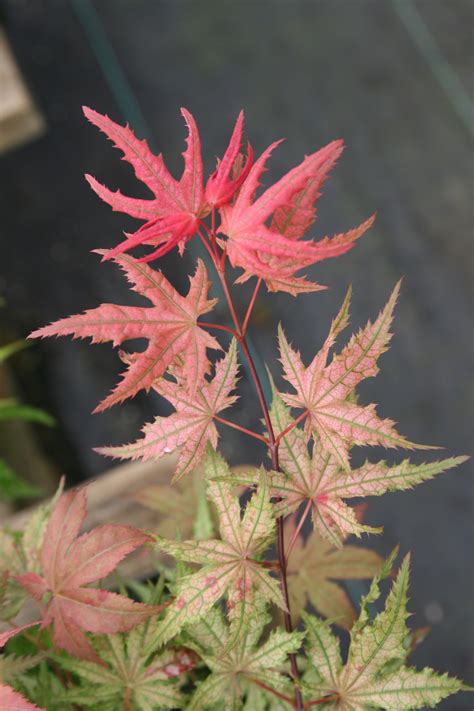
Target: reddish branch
272, 445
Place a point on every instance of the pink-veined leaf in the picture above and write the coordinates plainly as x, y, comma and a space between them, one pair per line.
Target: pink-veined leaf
170, 325
222, 185
320, 480
71, 561
231, 565
191, 427
173, 214
325, 390
237, 670
375, 674
275, 253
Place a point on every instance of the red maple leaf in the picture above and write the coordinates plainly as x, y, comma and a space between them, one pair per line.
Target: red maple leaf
173, 215
69, 563
221, 187
275, 252
170, 326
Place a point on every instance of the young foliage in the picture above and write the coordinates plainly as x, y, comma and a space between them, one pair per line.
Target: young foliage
375, 674
231, 566
69, 562
170, 326
275, 253
319, 482
215, 600
126, 677
172, 217
325, 391
248, 663
191, 427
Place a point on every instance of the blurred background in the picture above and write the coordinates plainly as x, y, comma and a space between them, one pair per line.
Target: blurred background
394, 79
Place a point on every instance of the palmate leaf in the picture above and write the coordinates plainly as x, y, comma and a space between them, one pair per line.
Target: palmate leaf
230, 566
172, 216
126, 677
170, 326
236, 670
191, 427
319, 482
314, 567
325, 391
375, 675
275, 253
20, 552
70, 562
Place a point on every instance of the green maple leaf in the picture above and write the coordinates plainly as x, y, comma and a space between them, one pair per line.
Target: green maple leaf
375, 675
128, 676
12, 665
237, 671
231, 565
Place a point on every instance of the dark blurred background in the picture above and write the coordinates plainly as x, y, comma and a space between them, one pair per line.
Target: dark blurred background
394, 79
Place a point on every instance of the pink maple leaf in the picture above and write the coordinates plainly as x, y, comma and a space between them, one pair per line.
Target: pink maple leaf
325, 390
276, 252
170, 326
11, 700
69, 563
173, 216
192, 426
222, 185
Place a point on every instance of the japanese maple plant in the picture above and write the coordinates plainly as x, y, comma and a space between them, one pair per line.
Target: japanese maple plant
246, 617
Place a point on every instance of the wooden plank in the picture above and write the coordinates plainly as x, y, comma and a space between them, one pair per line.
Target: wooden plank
20, 120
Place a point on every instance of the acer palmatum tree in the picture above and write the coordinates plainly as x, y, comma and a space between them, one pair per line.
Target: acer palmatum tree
230, 625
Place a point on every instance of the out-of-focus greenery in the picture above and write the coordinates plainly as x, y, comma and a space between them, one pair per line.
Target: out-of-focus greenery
12, 486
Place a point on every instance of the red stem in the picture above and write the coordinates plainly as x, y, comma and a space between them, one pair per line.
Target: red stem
298, 528
250, 306
262, 685
273, 447
235, 426
290, 427
204, 324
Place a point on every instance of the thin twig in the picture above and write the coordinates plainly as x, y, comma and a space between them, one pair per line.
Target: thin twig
290, 427
273, 447
235, 426
227, 329
250, 306
262, 685
298, 528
